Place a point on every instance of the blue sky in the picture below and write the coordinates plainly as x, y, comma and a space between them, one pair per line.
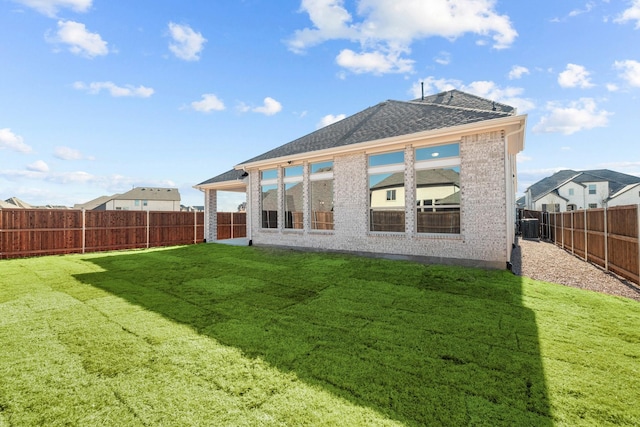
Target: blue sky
100, 96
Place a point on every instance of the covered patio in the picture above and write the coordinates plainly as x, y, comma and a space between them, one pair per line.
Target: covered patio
235, 181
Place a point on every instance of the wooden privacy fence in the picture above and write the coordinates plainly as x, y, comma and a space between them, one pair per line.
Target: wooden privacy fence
607, 237
231, 225
30, 232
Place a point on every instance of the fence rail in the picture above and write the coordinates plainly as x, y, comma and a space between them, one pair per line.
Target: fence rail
608, 237
31, 232
231, 225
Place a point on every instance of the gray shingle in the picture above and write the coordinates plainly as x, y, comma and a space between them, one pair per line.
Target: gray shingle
230, 175
385, 120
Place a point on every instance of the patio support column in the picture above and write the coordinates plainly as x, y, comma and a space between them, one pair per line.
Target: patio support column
211, 215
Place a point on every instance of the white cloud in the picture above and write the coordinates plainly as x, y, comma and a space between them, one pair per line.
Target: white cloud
444, 58
38, 171
269, 108
329, 119
574, 117
374, 62
209, 103
187, 44
521, 158
587, 9
517, 71
612, 87
115, 90
631, 14
80, 40
487, 89
51, 7
574, 76
385, 30
67, 153
13, 142
629, 71
38, 166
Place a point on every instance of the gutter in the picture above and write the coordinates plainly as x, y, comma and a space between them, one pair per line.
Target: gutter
447, 134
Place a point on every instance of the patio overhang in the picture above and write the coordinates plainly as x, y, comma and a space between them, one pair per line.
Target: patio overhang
233, 180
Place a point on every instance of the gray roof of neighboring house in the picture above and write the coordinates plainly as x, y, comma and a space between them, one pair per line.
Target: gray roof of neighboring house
624, 189
387, 119
424, 178
92, 204
138, 193
17, 203
150, 193
616, 180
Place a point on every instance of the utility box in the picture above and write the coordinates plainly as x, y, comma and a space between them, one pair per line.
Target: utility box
530, 228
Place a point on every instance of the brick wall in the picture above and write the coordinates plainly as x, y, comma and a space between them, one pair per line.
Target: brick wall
483, 237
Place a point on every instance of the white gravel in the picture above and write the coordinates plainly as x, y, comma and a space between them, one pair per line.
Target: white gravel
547, 262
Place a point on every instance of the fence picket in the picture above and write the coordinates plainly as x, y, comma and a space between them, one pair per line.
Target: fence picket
30, 232
611, 237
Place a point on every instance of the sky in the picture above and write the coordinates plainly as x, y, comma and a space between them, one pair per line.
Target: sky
98, 97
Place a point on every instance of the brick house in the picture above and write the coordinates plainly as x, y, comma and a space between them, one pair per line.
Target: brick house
431, 179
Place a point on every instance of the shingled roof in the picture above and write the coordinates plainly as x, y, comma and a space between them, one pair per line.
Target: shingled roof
616, 180
385, 120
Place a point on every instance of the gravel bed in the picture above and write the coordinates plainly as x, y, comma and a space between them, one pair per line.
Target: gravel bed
547, 262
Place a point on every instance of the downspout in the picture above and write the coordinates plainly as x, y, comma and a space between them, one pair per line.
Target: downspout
249, 211
509, 183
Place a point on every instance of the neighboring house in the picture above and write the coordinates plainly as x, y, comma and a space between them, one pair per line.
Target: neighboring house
568, 190
14, 202
137, 199
432, 179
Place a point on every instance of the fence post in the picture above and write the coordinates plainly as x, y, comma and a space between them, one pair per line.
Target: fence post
232, 224
586, 256
195, 226
572, 227
606, 241
148, 225
84, 231
562, 228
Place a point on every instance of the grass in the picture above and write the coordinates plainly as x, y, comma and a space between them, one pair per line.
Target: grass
246, 336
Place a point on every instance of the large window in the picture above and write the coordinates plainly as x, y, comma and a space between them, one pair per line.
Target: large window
293, 211
321, 195
437, 189
269, 198
386, 192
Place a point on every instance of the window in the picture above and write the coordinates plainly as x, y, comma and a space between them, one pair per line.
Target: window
137, 203
293, 211
571, 191
386, 192
593, 205
269, 198
145, 202
437, 178
592, 189
321, 195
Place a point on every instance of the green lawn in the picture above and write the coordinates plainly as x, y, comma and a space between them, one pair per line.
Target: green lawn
219, 335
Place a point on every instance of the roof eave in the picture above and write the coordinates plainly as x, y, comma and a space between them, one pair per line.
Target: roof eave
514, 125
236, 185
